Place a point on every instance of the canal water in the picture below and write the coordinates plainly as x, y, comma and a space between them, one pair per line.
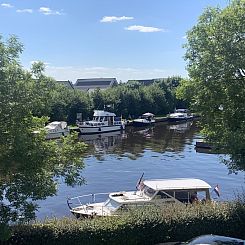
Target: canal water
115, 161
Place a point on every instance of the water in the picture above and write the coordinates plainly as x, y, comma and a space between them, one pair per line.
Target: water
115, 161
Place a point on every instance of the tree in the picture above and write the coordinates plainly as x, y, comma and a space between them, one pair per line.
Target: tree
215, 52
29, 164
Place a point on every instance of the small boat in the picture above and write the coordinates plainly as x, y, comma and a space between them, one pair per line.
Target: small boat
155, 191
204, 144
57, 129
102, 122
180, 115
144, 120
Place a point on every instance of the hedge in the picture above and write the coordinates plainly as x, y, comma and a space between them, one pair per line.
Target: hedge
146, 225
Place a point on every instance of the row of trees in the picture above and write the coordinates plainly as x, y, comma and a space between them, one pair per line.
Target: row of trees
127, 99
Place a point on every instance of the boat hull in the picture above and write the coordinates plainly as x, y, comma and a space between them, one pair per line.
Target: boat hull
99, 130
173, 119
141, 124
56, 135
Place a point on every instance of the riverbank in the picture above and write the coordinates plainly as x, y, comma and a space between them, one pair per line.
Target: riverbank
148, 225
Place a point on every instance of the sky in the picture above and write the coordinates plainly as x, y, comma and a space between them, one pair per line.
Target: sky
125, 39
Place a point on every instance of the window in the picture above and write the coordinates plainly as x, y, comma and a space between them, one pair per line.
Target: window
164, 195
182, 196
148, 191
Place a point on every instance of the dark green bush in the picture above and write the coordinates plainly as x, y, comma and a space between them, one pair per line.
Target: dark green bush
148, 225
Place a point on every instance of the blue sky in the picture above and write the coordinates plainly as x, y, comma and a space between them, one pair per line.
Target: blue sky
126, 39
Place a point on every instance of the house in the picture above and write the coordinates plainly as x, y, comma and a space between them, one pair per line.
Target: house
67, 83
145, 82
91, 84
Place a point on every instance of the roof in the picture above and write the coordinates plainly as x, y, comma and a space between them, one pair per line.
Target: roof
95, 82
67, 83
145, 82
100, 113
176, 184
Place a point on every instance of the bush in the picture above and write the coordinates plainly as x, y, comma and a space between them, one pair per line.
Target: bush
146, 225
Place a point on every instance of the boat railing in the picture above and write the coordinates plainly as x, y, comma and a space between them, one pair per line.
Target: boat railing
87, 199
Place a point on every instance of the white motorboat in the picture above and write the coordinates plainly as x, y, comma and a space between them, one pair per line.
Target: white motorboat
180, 115
156, 191
102, 122
144, 120
57, 129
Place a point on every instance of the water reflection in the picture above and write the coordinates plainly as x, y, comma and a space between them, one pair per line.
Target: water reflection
114, 161
181, 127
133, 142
103, 143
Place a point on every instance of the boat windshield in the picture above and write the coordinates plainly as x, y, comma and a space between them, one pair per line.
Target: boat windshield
149, 191
112, 205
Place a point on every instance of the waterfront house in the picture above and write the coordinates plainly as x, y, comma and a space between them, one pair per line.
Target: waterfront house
91, 84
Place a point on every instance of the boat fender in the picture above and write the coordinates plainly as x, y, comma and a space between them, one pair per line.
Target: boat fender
99, 129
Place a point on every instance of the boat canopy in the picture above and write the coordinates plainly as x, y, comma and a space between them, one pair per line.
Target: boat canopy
100, 113
148, 114
56, 124
176, 184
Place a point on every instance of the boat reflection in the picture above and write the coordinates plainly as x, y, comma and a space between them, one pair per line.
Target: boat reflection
181, 127
133, 142
105, 142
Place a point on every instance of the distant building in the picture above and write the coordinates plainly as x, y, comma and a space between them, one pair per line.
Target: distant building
94, 83
67, 83
145, 82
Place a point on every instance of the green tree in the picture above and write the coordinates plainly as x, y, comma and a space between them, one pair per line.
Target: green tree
30, 166
215, 52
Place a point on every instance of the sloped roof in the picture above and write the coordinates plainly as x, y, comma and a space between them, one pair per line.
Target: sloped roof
95, 82
66, 83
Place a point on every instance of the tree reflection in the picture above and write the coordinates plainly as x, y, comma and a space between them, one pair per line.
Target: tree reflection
133, 142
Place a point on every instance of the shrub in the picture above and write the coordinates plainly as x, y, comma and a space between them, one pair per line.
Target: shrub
146, 225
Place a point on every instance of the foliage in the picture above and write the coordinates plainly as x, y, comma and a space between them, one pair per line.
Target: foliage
146, 225
30, 165
215, 52
133, 99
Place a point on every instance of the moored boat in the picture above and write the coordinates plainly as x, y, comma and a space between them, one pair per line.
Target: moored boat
102, 122
144, 120
57, 129
180, 115
155, 191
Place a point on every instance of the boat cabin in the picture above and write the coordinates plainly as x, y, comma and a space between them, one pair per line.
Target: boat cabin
177, 190
102, 118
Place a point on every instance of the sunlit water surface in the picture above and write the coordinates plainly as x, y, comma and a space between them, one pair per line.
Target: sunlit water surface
115, 161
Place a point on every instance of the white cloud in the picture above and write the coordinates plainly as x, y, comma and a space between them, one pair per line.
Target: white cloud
24, 11
184, 37
7, 5
124, 74
143, 28
48, 11
115, 18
